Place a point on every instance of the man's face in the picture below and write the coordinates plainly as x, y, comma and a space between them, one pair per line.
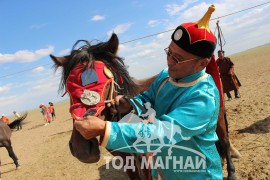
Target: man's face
220, 54
181, 70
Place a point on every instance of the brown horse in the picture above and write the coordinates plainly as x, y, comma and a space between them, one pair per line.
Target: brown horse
5, 134
93, 75
225, 147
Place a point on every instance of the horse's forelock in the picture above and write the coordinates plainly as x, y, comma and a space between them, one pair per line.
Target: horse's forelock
105, 52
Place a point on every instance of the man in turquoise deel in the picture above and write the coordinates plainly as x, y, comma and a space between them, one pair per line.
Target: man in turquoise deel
186, 102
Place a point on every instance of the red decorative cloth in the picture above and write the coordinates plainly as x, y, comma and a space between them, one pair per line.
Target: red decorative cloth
212, 69
75, 89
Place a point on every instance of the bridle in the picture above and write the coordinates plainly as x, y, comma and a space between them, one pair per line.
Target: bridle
91, 99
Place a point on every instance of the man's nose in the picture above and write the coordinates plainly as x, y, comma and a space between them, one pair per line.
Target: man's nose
170, 61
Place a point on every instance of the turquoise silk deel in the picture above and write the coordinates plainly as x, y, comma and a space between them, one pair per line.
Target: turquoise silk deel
182, 135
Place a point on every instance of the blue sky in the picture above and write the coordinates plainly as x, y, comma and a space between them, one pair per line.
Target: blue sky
31, 30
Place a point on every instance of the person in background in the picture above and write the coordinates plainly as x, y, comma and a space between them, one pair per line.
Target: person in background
5, 119
52, 111
229, 79
45, 113
17, 115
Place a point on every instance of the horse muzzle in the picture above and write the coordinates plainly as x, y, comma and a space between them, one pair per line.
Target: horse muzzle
86, 151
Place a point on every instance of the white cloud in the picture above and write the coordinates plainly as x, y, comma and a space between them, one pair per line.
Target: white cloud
97, 18
20, 85
142, 53
174, 9
194, 13
153, 23
47, 83
31, 94
26, 55
64, 52
38, 69
9, 100
146, 60
119, 29
4, 89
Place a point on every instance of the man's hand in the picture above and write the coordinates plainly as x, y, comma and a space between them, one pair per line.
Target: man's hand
231, 71
90, 127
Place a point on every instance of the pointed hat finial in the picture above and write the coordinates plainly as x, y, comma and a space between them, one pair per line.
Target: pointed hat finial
196, 37
204, 21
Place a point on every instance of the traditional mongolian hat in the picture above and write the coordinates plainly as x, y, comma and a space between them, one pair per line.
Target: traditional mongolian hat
196, 37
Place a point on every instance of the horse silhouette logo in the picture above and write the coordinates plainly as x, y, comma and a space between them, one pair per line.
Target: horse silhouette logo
154, 138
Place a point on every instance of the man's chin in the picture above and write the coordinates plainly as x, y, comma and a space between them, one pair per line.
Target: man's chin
172, 75
171, 72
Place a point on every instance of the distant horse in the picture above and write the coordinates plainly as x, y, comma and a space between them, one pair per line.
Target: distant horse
5, 134
93, 75
17, 122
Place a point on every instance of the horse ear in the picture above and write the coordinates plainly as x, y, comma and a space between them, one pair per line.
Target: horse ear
59, 61
114, 43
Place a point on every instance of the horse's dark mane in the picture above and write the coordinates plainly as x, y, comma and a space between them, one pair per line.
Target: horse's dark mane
105, 52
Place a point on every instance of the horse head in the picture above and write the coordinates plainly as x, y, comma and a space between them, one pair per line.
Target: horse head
92, 75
